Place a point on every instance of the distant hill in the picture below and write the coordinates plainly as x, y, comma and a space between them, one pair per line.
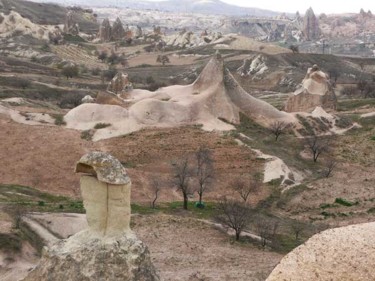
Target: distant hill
187, 6
46, 13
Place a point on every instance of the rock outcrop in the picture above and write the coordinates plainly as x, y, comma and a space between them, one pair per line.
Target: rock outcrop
120, 84
105, 31
315, 90
346, 253
311, 30
108, 249
70, 26
213, 97
254, 66
88, 99
118, 31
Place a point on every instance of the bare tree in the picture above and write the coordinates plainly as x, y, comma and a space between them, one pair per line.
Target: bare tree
330, 165
317, 145
267, 230
234, 215
204, 171
181, 175
245, 187
278, 128
297, 229
163, 59
156, 188
334, 74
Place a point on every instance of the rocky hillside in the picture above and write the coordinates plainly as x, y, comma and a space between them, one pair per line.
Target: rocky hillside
49, 14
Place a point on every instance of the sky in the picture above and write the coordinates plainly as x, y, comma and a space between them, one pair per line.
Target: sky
319, 6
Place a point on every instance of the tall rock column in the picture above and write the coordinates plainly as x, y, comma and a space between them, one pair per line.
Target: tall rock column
311, 30
108, 249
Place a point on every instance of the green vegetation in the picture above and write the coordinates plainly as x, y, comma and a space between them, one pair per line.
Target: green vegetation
99, 126
31, 199
351, 104
59, 119
345, 202
87, 135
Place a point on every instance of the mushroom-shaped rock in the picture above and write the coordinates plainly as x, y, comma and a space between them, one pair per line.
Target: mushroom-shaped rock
108, 250
105, 188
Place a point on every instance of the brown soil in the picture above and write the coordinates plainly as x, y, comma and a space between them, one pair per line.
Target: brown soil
44, 157
182, 247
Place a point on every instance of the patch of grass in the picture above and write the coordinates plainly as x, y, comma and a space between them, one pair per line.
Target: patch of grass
33, 200
290, 194
347, 105
327, 205
99, 126
309, 130
129, 164
87, 135
345, 202
371, 210
343, 122
176, 207
59, 119
327, 214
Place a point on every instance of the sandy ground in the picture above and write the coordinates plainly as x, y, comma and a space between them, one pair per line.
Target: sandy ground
182, 247
340, 254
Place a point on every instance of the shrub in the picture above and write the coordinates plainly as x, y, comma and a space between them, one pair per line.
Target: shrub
59, 119
41, 203
70, 71
101, 126
87, 135
109, 73
344, 202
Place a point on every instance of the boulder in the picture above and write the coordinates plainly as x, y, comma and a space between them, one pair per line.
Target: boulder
88, 99
254, 66
120, 84
345, 253
315, 90
105, 31
311, 29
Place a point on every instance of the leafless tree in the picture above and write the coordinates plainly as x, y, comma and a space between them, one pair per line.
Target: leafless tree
163, 59
16, 212
334, 74
182, 174
234, 215
330, 165
278, 128
297, 229
156, 188
317, 145
204, 171
267, 229
245, 187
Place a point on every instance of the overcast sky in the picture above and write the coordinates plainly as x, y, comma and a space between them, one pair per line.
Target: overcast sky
319, 6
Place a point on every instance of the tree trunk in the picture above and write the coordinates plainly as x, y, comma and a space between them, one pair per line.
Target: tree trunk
238, 235
185, 202
200, 197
